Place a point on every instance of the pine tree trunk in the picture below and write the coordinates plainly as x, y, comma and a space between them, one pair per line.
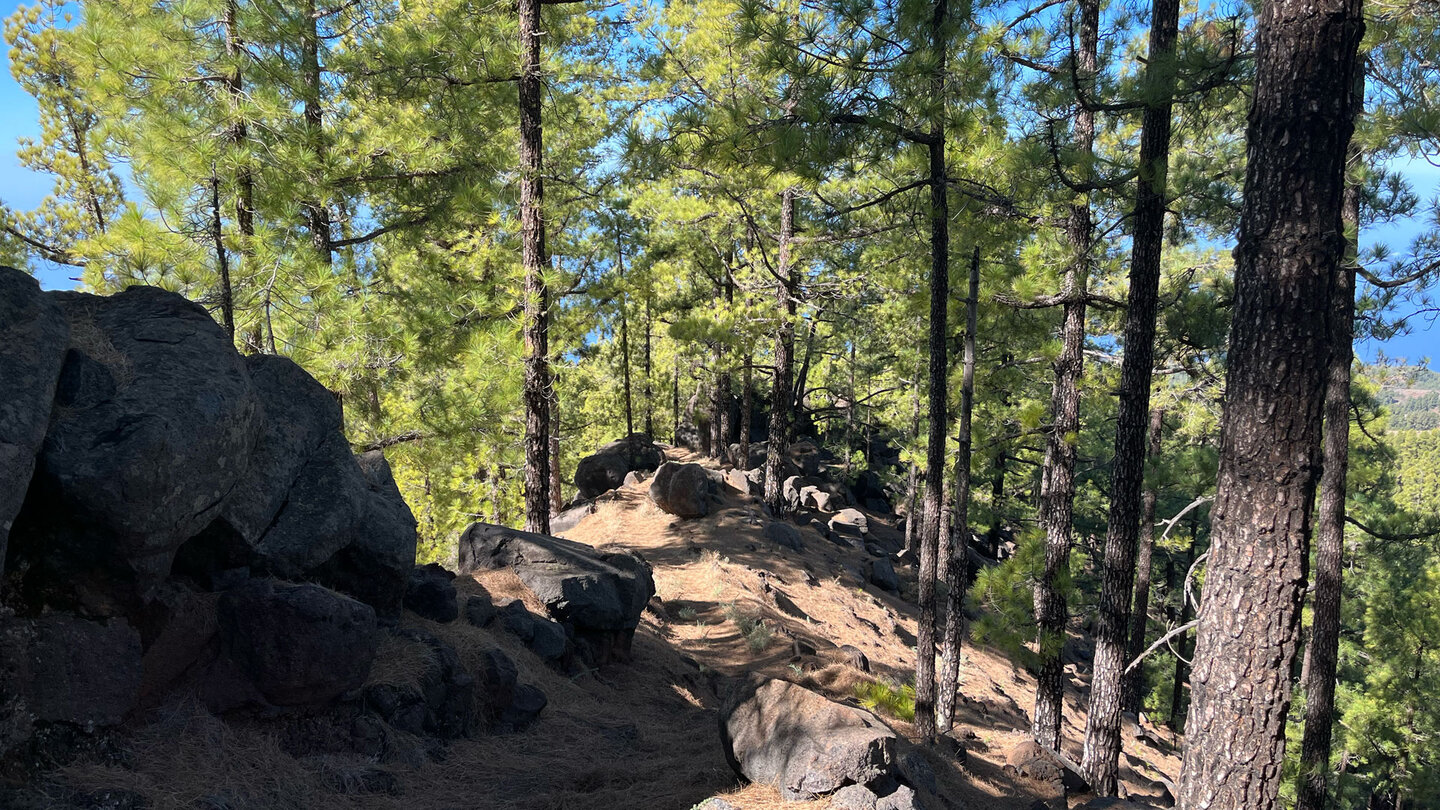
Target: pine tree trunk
780, 398
675, 402
997, 495
747, 402
925, 726
1139, 615
850, 413
557, 495
535, 314
912, 482
1101, 760
717, 406
727, 397
624, 340
802, 380
1290, 251
1057, 488
649, 394
317, 215
238, 134
222, 260
1324, 646
958, 574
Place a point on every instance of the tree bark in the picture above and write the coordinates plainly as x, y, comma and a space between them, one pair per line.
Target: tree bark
1139, 615
747, 402
317, 215
222, 260
1057, 487
1182, 616
238, 134
912, 481
925, 725
850, 413
781, 392
717, 405
1101, 760
958, 574
1290, 251
727, 427
557, 501
649, 394
535, 313
802, 379
624, 339
1324, 647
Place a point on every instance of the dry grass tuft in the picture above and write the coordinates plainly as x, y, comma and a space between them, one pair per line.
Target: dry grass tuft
188, 758
88, 337
399, 662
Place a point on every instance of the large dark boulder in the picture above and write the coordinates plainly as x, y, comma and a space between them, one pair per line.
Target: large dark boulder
882, 574
375, 565
545, 637
62, 669
870, 491
599, 593
299, 417
33, 340
683, 490
506, 704
784, 535
784, 735
297, 644
307, 508
791, 491
431, 593
321, 515
850, 524
606, 468
153, 427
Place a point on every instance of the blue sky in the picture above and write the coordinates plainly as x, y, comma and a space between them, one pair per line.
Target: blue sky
23, 190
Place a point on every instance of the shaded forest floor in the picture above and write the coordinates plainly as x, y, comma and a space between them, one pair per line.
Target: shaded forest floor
642, 735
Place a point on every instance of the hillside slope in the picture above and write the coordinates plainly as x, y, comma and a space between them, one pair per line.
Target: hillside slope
637, 735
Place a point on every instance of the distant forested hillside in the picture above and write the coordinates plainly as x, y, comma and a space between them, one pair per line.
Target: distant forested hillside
1417, 471
1413, 399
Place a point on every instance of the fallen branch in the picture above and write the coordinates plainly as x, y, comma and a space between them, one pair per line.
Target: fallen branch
391, 441
1163, 640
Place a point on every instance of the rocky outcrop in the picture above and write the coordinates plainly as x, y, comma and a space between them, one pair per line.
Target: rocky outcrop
739, 481
784, 735
33, 337
784, 535
598, 593
607, 467
167, 454
152, 427
792, 488
62, 669
431, 593
882, 574
156, 488
850, 525
374, 565
508, 704
545, 637
683, 490
297, 644
439, 700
